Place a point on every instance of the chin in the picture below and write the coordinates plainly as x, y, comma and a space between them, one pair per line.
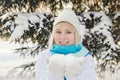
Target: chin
64, 44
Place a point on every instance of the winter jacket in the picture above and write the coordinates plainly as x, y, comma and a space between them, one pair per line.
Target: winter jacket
42, 72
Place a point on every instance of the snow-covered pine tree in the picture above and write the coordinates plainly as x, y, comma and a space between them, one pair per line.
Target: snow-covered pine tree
101, 37
27, 29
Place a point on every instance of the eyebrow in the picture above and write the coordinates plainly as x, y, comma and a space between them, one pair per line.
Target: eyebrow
65, 29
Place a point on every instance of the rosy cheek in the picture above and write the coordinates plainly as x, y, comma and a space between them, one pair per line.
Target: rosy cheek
55, 37
73, 39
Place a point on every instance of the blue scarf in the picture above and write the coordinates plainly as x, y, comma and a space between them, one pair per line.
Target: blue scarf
76, 50
65, 49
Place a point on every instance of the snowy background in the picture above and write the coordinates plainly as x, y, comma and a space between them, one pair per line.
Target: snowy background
25, 21
9, 60
28, 22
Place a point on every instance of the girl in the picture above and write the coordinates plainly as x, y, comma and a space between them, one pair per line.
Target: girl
66, 58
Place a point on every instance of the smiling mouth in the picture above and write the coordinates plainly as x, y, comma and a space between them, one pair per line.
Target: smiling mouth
63, 43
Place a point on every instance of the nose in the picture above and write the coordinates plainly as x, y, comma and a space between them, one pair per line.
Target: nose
63, 36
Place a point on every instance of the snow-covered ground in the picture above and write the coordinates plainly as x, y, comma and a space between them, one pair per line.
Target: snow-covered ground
9, 60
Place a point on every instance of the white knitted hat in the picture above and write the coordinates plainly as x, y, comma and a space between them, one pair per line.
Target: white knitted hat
69, 16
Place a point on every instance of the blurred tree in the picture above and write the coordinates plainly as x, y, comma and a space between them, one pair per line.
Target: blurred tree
54, 5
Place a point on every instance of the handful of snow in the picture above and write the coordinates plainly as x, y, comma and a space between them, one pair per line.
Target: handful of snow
65, 65
73, 65
56, 64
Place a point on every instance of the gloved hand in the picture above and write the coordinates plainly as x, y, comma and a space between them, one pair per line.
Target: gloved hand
73, 65
56, 64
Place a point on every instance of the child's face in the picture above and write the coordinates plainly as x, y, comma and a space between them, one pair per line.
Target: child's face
64, 34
